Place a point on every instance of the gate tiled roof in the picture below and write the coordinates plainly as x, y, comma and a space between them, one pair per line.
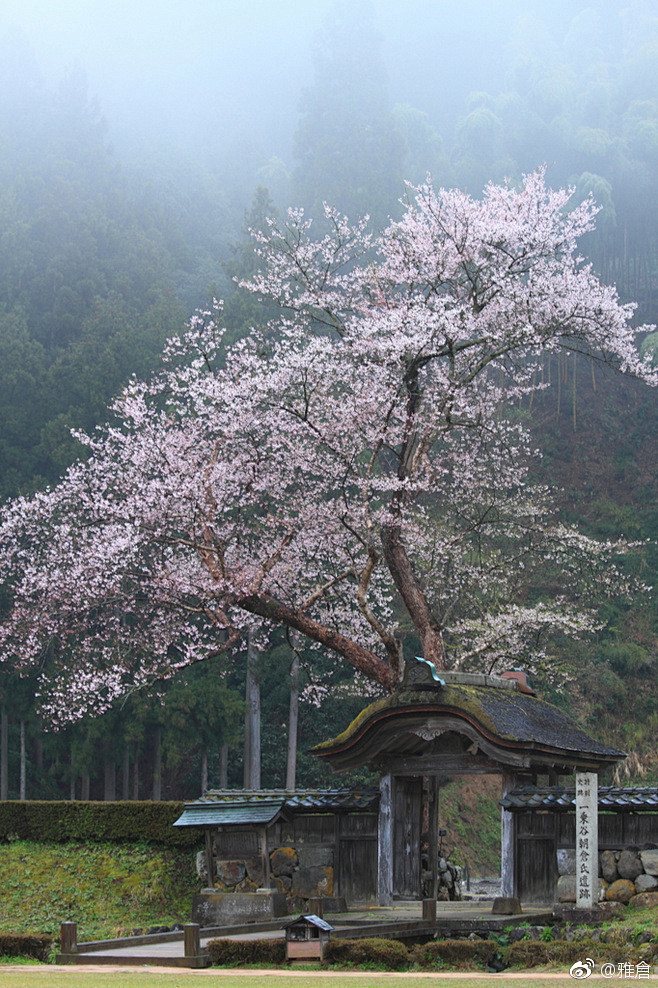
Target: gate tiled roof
561, 799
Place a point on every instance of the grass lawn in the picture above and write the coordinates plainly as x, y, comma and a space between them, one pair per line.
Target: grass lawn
42, 977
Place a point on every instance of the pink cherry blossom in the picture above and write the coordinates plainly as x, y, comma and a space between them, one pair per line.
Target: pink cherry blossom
355, 472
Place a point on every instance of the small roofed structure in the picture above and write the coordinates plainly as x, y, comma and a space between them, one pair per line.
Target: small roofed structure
546, 833
449, 724
301, 844
306, 937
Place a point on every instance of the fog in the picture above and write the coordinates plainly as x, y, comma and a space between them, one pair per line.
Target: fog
200, 79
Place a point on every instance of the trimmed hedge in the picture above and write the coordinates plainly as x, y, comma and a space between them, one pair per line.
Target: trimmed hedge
441, 954
536, 953
62, 821
390, 954
235, 953
37, 946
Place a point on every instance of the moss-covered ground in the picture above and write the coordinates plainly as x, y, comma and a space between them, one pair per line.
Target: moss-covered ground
108, 889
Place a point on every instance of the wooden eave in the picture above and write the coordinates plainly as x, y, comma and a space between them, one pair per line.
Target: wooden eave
415, 730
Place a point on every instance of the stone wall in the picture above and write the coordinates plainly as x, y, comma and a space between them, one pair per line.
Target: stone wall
623, 873
301, 873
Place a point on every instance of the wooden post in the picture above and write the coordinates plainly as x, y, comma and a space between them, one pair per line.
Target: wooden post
262, 837
210, 864
385, 842
507, 840
433, 834
587, 839
429, 910
191, 939
68, 936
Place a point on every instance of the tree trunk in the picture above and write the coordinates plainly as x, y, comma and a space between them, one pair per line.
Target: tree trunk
125, 775
23, 774
223, 767
38, 754
371, 665
136, 776
291, 769
157, 766
251, 773
204, 770
405, 580
85, 787
109, 778
71, 775
4, 754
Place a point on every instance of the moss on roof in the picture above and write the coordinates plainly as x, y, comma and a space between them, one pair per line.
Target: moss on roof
501, 714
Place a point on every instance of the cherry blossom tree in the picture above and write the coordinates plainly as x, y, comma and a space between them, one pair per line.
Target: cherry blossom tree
357, 472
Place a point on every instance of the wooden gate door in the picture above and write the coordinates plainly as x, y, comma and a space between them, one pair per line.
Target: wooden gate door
536, 858
407, 819
357, 857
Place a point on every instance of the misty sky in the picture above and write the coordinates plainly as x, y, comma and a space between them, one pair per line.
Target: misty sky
171, 72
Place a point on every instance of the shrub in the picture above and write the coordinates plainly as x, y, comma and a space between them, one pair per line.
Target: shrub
534, 953
455, 953
61, 821
28, 945
389, 954
235, 953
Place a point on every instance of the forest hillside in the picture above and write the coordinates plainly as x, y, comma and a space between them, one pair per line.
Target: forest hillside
108, 244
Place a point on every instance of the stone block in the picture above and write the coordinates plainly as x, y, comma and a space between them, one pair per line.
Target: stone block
608, 861
283, 883
602, 912
230, 873
230, 908
566, 888
283, 861
255, 871
646, 883
311, 882
246, 886
622, 890
334, 904
629, 865
650, 861
202, 867
311, 856
502, 906
566, 861
645, 900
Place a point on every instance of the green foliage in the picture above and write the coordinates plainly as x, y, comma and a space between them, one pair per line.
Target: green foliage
236, 953
375, 952
536, 953
348, 147
55, 821
25, 945
472, 820
106, 888
473, 954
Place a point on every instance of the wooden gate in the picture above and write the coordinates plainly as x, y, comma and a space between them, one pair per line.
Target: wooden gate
357, 857
407, 820
536, 857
